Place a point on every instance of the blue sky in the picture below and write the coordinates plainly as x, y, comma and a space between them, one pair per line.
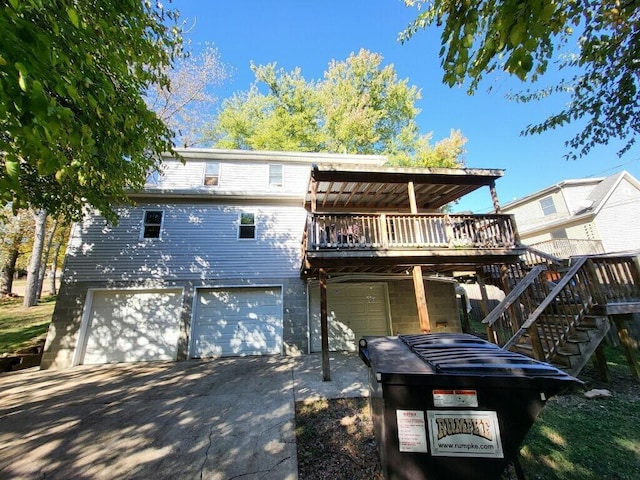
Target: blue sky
309, 34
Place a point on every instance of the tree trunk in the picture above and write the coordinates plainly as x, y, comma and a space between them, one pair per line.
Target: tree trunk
8, 271
54, 267
45, 258
33, 270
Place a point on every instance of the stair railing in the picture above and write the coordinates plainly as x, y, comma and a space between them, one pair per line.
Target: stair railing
505, 319
566, 304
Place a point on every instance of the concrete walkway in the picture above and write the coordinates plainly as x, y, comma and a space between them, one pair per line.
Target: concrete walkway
216, 420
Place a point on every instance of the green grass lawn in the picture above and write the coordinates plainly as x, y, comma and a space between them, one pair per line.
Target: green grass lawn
19, 325
576, 438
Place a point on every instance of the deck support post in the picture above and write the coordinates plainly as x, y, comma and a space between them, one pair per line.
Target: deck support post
626, 342
494, 197
418, 282
421, 299
600, 363
484, 304
324, 326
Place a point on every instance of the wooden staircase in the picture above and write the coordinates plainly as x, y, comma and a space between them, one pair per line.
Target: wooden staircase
559, 313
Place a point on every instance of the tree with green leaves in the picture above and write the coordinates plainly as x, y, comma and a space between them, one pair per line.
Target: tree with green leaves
74, 127
521, 38
360, 106
15, 230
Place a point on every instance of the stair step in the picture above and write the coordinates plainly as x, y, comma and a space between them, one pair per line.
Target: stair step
593, 321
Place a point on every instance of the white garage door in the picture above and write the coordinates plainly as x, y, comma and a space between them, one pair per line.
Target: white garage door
132, 326
354, 310
237, 321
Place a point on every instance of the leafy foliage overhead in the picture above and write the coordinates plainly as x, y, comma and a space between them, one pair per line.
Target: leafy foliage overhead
523, 37
74, 128
358, 107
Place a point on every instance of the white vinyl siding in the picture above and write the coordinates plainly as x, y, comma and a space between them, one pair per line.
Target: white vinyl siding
198, 241
130, 326
576, 196
240, 177
237, 321
618, 222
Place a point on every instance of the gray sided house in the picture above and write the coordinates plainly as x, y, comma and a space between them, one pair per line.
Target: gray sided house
235, 253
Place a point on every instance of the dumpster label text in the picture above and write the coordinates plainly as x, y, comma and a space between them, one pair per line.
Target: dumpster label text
456, 433
455, 398
412, 432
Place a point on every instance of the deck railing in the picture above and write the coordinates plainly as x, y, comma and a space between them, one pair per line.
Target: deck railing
565, 247
388, 231
617, 278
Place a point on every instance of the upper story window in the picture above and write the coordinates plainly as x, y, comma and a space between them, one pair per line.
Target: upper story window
153, 178
212, 174
152, 225
275, 176
547, 205
247, 226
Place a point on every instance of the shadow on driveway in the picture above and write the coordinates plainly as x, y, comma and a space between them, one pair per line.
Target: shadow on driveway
218, 419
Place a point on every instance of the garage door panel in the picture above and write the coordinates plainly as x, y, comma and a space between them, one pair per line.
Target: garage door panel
354, 310
238, 321
132, 326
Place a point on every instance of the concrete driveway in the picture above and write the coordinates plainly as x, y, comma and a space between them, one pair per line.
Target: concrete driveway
219, 419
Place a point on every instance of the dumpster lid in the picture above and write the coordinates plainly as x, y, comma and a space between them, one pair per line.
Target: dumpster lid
467, 354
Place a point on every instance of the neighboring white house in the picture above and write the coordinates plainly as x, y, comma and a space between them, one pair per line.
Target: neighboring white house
582, 216
208, 263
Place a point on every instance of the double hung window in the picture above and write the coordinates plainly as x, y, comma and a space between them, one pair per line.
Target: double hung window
247, 229
152, 225
212, 174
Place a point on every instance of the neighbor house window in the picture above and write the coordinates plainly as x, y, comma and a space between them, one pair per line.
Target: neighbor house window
275, 175
212, 174
152, 224
247, 225
547, 205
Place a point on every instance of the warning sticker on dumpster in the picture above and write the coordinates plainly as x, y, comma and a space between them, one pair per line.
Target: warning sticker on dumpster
457, 433
412, 432
455, 398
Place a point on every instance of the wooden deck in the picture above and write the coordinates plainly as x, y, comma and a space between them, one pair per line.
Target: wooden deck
349, 240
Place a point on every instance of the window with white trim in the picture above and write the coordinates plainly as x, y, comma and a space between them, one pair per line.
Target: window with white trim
152, 225
212, 174
547, 205
247, 226
153, 177
275, 176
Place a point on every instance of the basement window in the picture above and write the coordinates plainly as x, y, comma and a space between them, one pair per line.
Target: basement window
152, 224
247, 228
